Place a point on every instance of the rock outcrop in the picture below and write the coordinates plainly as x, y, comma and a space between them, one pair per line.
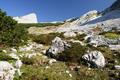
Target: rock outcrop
58, 46
94, 59
30, 18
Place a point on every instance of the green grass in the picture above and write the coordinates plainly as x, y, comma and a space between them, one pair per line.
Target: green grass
112, 35
72, 54
56, 71
91, 74
40, 24
45, 38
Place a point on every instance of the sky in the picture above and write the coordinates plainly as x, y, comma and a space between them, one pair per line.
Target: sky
53, 10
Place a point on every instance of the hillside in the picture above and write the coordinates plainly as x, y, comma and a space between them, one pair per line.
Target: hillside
82, 48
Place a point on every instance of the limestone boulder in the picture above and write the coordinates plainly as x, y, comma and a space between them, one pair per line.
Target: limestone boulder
94, 59
58, 46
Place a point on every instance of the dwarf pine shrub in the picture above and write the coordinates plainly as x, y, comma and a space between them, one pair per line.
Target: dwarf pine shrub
10, 33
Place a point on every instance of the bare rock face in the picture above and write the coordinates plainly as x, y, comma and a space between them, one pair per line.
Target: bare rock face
91, 15
58, 45
30, 18
94, 59
114, 6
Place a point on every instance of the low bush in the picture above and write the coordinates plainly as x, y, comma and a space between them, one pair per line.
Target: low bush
73, 54
45, 38
111, 35
40, 24
10, 33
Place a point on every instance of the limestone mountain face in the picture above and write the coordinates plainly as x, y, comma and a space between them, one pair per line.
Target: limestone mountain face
106, 20
114, 6
30, 18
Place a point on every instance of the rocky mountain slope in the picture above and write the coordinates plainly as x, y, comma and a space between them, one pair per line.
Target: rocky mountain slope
106, 19
84, 48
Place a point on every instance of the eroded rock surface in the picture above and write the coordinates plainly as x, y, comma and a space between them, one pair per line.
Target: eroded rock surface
58, 45
94, 59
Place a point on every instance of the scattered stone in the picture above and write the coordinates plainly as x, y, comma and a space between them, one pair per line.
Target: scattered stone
18, 65
4, 51
30, 47
47, 67
13, 50
70, 75
14, 56
7, 71
97, 40
117, 67
114, 47
77, 41
67, 71
94, 59
52, 61
69, 34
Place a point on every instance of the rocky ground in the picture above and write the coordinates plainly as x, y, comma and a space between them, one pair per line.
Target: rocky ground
68, 51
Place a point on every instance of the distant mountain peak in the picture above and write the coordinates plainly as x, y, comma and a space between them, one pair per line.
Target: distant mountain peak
29, 18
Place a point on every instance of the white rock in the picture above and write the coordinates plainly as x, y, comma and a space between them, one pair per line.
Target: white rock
30, 18
7, 71
117, 67
13, 55
67, 71
47, 67
4, 51
69, 34
30, 55
18, 65
52, 61
70, 75
114, 47
13, 50
77, 41
25, 48
95, 59
58, 45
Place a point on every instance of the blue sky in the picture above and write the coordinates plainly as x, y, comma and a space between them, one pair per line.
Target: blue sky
53, 10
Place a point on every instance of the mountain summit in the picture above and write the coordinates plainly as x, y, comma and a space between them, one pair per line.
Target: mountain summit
30, 18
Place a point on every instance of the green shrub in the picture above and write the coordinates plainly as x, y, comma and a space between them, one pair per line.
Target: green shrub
73, 54
40, 24
10, 33
80, 37
45, 38
111, 35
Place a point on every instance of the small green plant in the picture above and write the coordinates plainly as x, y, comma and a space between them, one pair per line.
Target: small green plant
56, 71
40, 24
5, 57
111, 35
73, 54
45, 38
